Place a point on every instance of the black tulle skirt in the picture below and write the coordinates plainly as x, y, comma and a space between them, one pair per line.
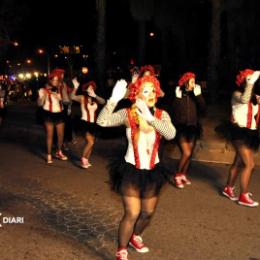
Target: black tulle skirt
55, 118
88, 127
188, 132
127, 180
239, 135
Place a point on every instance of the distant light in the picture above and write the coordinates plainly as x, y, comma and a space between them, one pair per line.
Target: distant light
28, 75
12, 77
18, 64
28, 61
84, 56
45, 74
8, 61
36, 74
114, 52
84, 70
21, 76
56, 55
40, 51
16, 44
151, 34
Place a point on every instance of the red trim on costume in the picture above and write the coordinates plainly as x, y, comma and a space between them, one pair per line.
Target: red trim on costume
249, 115
50, 100
133, 126
158, 114
258, 116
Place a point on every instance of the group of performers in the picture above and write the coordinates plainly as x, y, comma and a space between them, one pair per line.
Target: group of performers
139, 176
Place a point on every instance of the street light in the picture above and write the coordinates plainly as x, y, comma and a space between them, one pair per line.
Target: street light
41, 52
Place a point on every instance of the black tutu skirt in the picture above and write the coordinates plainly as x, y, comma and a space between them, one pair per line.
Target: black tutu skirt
188, 132
55, 118
127, 180
88, 127
239, 135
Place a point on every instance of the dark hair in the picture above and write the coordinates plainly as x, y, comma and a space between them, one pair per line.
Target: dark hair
257, 87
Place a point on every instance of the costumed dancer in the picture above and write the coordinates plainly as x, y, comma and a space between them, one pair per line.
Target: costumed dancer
89, 103
244, 136
50, 99
139, 176
185, 116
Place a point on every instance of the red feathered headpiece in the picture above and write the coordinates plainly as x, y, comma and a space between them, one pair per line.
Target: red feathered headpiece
90, 83
149, 68
134, 88
55, 73
185, 77
241, 76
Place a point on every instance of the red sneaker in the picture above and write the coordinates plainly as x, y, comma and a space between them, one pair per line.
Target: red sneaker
121, 254
178, 180
137, 243
229, 193
245, 200
61, 156
85, 163
185, 180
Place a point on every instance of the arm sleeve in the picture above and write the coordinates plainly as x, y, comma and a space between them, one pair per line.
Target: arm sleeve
107, 118
164, 126
100, 100
245, 97
75, 97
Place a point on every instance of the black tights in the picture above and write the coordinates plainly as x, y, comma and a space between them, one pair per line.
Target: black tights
137, 215
186, 147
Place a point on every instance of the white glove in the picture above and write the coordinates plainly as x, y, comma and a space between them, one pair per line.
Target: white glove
178, 92
197, 90
143, 110
91, 93
75, 82
119, 91
251, 79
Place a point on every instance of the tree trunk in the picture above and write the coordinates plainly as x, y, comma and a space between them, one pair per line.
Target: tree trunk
141, 43
101, 45
214, 51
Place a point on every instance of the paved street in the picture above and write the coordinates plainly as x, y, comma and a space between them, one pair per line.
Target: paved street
70, 213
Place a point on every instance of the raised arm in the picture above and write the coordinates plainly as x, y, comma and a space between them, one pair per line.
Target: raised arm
100, 100
107, 117
245, 97
73, 95
41, 97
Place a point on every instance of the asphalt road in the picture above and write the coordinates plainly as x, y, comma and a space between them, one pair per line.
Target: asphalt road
70, 213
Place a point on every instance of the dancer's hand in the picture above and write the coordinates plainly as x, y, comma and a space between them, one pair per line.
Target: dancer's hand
119, 91
75, 82
178, 92
91, 93
197, 90
251, 79
143, 110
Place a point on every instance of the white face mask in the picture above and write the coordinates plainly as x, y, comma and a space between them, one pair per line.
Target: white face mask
148, 94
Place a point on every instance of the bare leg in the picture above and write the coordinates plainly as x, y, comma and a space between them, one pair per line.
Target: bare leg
234, 170
60, 135
49, 127
247, 156
90, 140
